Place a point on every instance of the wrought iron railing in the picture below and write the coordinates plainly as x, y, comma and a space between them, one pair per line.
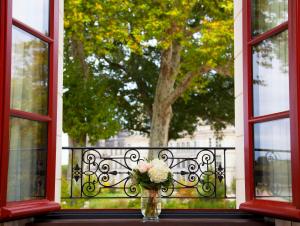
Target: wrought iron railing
104, 172
272, 175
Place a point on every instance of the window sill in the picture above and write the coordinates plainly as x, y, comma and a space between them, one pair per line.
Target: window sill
136, 213
27, 209
272, 208
162, 222
133, 217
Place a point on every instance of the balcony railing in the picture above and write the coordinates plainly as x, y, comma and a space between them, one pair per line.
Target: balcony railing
104, 172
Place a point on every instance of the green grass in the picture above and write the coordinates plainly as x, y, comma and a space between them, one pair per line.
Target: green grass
134, 203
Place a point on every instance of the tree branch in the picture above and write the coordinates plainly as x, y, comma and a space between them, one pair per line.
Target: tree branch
183, 85
175, 59
115, 64
78, 52
166, 59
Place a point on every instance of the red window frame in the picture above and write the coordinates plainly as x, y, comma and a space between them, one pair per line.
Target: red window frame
273, 208
10, 210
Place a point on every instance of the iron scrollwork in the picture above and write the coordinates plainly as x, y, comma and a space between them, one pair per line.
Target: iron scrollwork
96, 169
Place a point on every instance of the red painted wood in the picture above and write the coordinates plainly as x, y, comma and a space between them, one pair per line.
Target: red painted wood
54, 15
11, 210
264, 118
28, 209
273, 208
29, 115
2, 54
294, 70
32, 31
269, 33
7, 14
2, 47
247, 90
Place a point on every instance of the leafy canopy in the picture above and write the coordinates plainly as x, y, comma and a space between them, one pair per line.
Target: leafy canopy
123, 41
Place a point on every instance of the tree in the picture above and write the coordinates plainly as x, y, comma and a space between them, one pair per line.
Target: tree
89, 108
214, 104
193, 40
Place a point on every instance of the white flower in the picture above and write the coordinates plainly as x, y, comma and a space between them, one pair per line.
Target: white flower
159, 171
143, 167
158, 162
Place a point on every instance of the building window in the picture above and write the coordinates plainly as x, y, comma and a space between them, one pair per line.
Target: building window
27, 160
270, 94
218, 142
33, 13
267, 14
29, 99
218, 160
271, 77
272, 160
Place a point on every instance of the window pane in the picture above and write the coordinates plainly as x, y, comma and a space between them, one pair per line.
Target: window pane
271, 75
29, 82
27, 160
34, 13
267, 14
272, 166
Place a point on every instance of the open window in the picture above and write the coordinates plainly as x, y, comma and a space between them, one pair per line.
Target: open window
29, 45
271, 96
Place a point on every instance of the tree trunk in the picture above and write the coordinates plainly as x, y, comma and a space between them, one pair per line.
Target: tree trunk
162, 109
159, 134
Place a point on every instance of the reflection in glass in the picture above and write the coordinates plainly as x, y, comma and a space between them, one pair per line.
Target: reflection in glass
29, 82
272, 160
27, 160
34, 13
271, 75
267, 14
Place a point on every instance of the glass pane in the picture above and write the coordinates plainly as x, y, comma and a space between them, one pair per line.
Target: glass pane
267, 14
27, 160
29, 82
271, 75
272, 166
34, 13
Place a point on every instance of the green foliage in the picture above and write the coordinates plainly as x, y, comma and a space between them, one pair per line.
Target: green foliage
233, 186
214, 103
199, 203
89, 109
65, 192
122, 43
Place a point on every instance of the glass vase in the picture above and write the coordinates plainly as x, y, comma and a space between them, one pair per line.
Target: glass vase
150, 204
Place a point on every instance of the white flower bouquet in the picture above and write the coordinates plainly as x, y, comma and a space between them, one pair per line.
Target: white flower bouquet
151, 176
